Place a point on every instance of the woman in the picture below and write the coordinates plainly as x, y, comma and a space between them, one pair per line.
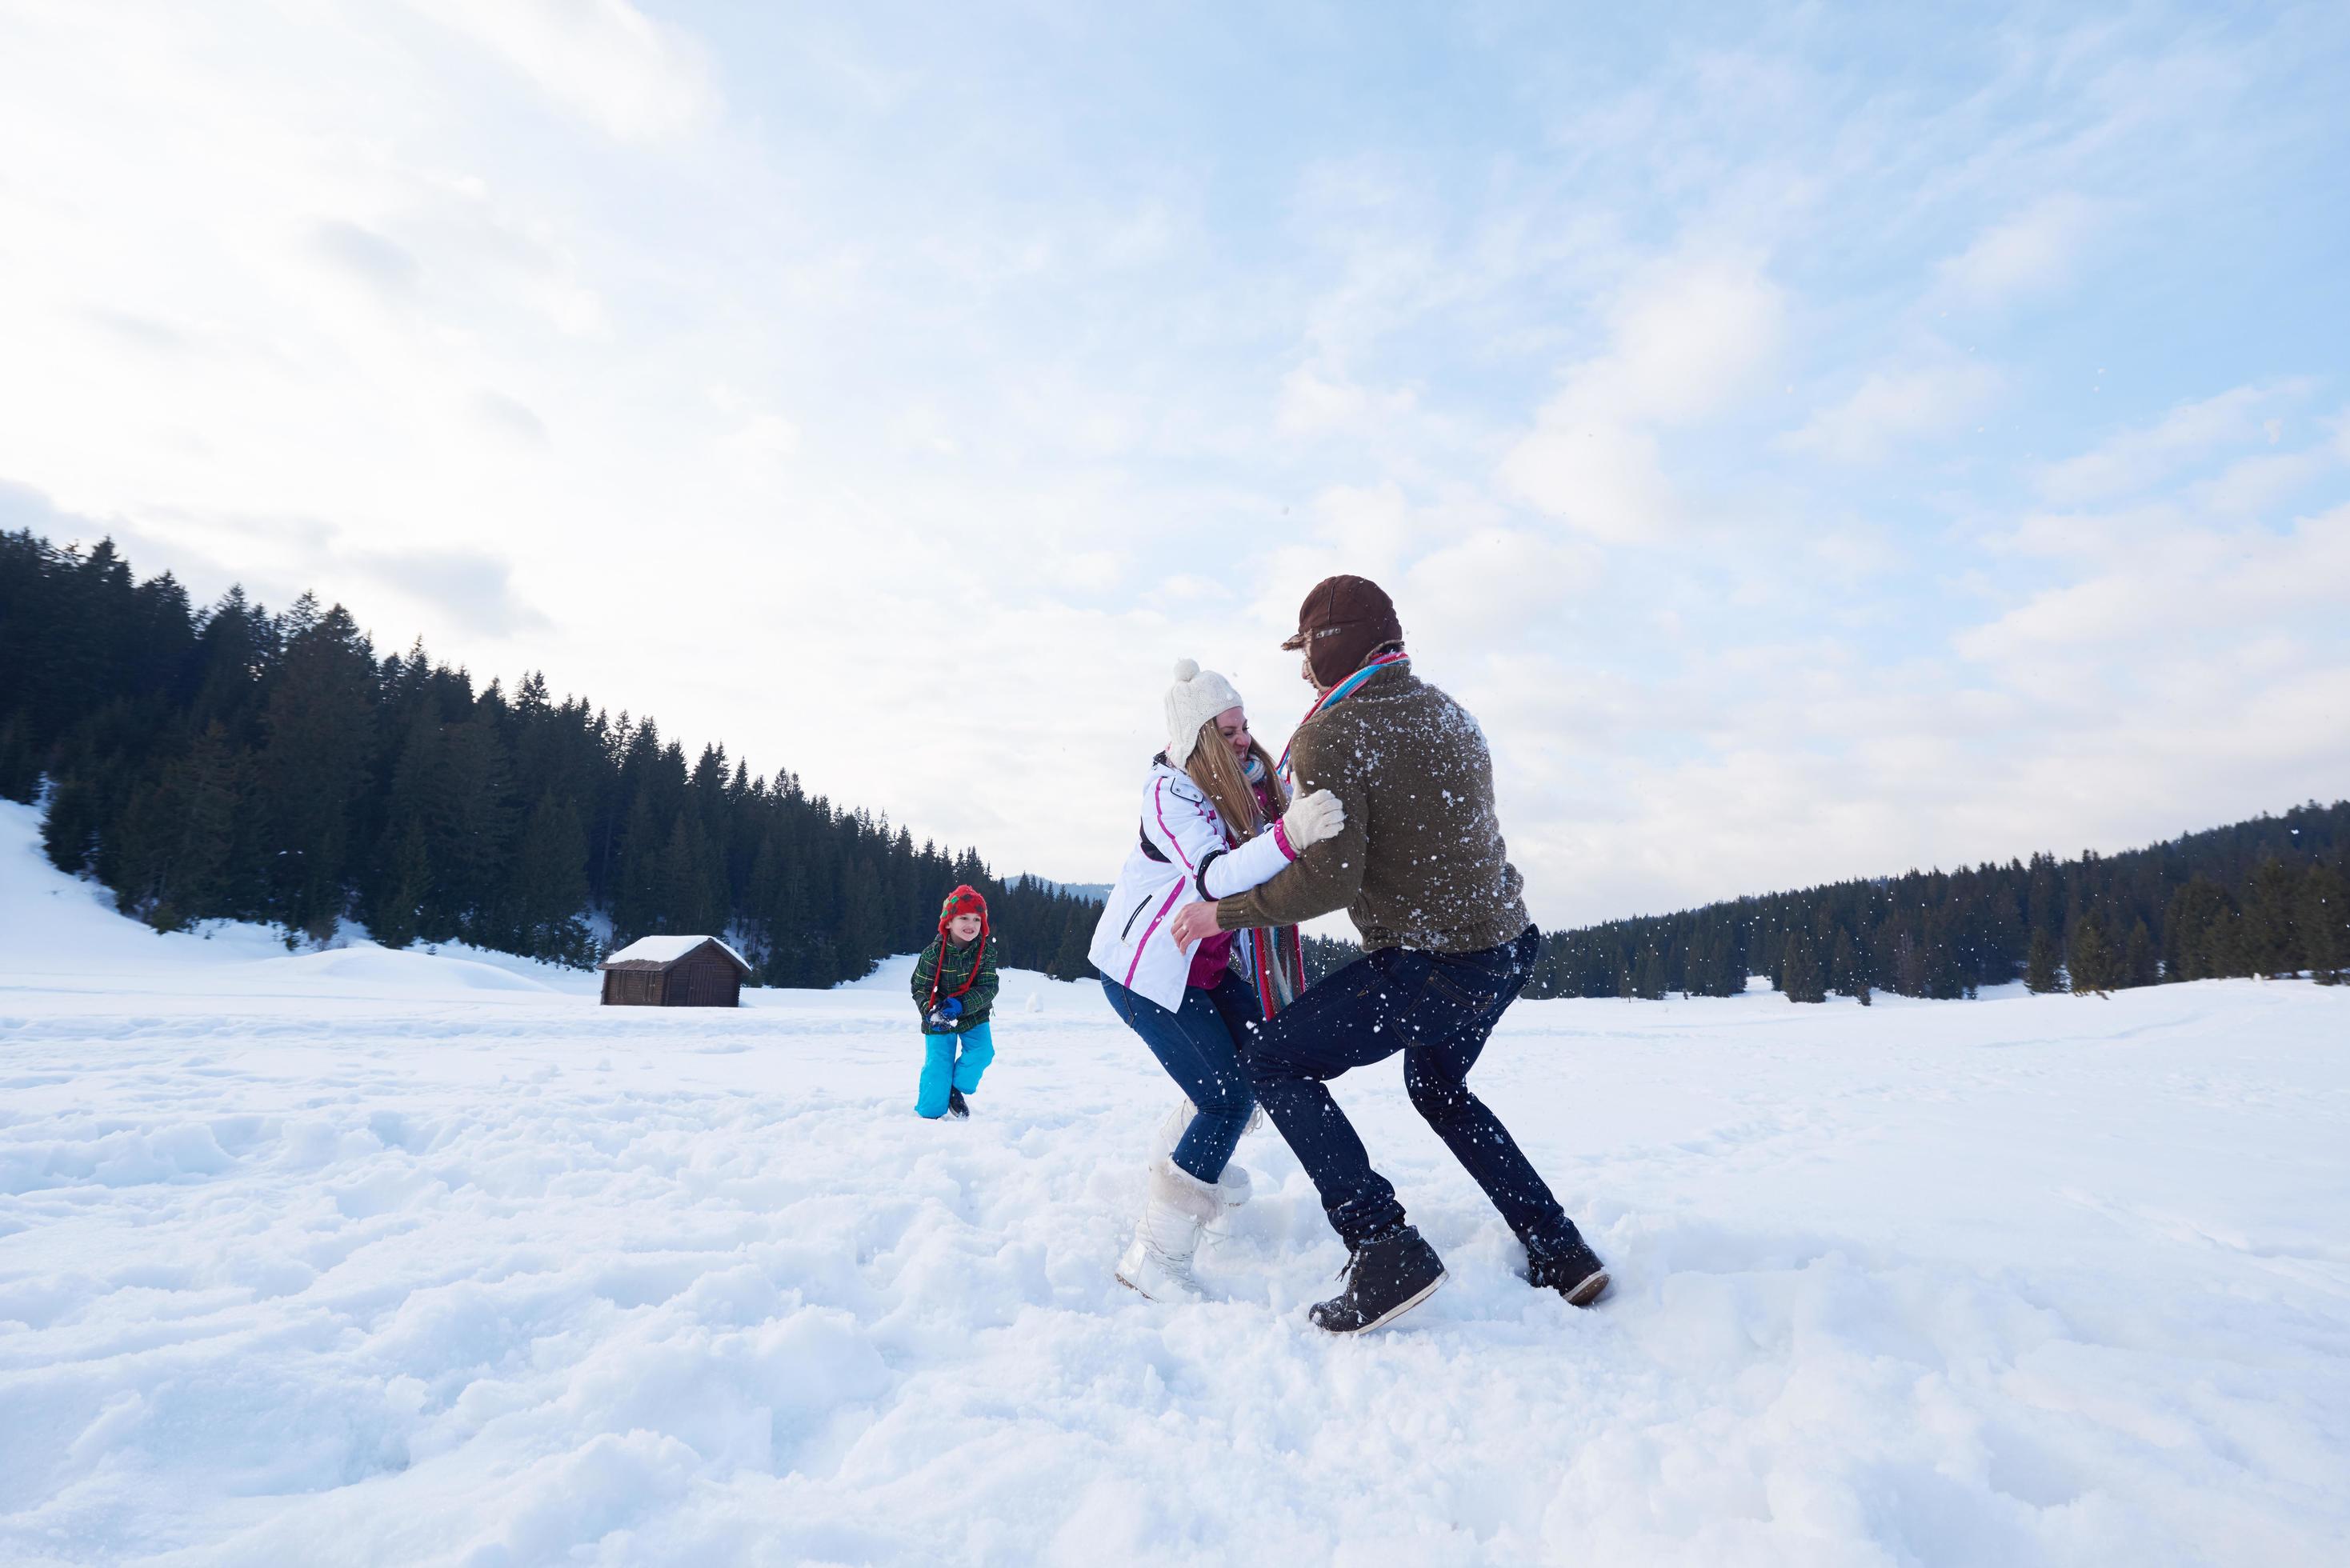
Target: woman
1215, 822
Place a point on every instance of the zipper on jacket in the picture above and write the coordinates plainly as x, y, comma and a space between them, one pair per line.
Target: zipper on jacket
1128, 928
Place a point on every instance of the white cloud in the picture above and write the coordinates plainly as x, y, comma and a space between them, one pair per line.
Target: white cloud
1495, 577
2138, 459
1599, 477
602, 60
1690, 337
2169, 592
1314, 402
2031, 252
379, 262
1687, 339
513, 417
1893, 406
2253, 485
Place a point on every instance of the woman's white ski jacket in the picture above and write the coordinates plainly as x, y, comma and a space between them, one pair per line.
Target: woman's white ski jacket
1185, 853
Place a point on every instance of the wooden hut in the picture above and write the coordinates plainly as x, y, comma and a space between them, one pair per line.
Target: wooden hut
674, 972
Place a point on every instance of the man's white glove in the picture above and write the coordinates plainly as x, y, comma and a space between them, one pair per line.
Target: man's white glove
1311, 818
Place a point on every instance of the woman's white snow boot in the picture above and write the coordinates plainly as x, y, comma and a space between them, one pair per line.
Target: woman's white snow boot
1233, 1187
1171, 1130
1157, 1262
1232, 1191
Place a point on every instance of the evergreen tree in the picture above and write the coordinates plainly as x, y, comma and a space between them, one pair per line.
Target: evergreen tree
397, 914
320, 726
2198, 932
397, 883
1069, 961
2137, 963
173, 845
1323, 955
70, 831
2091, 960
549, 887
2326, 923
685, 896
235, 648
468, 817
1799, 971
20, 761
2270, 942
2039, 967
1847, 974
1648, 976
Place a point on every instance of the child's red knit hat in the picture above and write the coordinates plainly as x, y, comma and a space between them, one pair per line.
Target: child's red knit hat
963, 901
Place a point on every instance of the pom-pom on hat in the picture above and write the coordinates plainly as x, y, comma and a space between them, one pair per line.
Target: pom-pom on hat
1197, 696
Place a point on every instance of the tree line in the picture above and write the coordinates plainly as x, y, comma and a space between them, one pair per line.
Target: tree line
231, 763
228, 763
2267, 896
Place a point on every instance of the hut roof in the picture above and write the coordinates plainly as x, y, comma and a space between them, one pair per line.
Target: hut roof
660, 952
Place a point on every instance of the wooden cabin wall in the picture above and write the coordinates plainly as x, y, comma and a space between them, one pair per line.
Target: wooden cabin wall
706, 979
632, 988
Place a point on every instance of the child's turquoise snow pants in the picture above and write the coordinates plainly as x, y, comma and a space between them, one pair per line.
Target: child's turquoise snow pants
943, 1069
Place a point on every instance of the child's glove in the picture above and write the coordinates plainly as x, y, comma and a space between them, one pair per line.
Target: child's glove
1311, 818
952, 1007
937, 1022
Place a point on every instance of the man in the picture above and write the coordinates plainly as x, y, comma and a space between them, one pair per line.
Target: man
1422, 869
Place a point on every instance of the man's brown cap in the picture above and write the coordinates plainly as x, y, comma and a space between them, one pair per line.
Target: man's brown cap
1344, 620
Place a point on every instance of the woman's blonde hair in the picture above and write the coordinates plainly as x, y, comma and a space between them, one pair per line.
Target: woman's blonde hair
1218, 773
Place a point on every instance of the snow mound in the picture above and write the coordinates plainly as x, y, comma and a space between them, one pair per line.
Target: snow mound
894, 975
59, 928
53, 924
1019, 991
372, 967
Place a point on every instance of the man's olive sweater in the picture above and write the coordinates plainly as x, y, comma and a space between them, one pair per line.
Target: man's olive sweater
1420, 862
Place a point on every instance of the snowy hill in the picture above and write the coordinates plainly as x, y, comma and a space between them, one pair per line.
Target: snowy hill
385, 1257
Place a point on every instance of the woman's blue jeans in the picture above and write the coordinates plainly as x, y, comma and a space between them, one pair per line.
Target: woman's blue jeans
1200, 1045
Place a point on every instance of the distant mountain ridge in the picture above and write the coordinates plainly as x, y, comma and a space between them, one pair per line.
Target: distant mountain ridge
1097, 891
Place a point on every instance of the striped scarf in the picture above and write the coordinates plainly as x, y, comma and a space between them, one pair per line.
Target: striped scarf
1331, 699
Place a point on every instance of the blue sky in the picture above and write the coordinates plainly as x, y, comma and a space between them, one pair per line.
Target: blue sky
1815, 444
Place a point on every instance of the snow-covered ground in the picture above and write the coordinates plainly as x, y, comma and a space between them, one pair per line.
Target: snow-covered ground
370, 1257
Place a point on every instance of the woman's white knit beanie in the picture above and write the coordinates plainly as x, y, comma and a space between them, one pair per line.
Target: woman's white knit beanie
1197, 696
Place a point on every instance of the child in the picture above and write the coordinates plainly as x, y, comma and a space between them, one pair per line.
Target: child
955, 985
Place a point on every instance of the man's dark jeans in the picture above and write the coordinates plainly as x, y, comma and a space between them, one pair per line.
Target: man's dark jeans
1438, 1009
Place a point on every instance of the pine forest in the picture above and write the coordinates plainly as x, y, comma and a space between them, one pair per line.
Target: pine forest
2259, 897
233, 763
